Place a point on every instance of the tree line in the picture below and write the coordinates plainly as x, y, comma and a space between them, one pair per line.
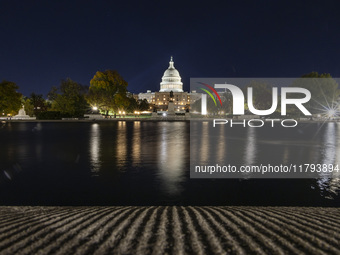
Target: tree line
107, 94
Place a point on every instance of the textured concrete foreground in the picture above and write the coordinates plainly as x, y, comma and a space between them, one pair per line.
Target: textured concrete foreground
169, 230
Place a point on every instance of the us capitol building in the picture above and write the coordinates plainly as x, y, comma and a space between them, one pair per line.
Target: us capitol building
171, 84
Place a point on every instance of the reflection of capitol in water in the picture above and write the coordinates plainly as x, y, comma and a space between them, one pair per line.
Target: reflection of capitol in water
136, 145
171, 158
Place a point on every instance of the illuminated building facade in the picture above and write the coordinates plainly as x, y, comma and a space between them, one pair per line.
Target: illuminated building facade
171, 82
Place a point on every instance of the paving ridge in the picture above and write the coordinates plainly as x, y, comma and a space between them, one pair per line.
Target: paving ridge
169, 230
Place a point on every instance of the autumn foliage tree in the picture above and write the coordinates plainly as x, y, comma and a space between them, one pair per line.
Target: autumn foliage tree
107, 91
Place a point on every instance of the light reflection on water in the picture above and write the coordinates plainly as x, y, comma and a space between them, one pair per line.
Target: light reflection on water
205, 145
121, 143
138, 148
221, 146
136, 144
250, 150
171, 158
312, 143
95, 148
152, 158
250, 147
330, 182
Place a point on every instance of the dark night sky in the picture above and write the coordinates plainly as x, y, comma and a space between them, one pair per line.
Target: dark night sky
43, 42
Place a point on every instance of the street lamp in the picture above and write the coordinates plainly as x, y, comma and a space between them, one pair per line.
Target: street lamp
94, 109
137, 113
331, 113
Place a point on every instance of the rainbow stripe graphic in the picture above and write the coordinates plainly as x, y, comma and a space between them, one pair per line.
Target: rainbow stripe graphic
209, 93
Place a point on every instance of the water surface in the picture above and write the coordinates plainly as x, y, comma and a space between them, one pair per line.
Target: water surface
147, 163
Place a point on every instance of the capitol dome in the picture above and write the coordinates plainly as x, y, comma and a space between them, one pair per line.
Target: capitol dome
171, 80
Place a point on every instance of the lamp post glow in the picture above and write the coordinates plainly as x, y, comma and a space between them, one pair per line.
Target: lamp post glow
331, 113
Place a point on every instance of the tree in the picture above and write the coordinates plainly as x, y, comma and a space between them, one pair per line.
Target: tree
212, 109
108, 91
227, 103
133, 104
35, 104
262, 95
137, 105
38, 102
143, 105
69, 98
10, 99
196, 106
29, 109
324, 92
